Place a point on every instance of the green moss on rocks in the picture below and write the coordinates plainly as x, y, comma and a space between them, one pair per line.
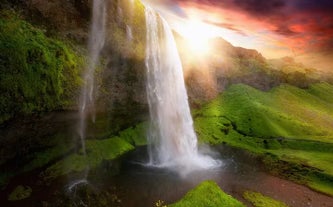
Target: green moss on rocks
97, 151
207, 194
20, 193
259, 200
300, 171
135, 135
38, 73
322, 184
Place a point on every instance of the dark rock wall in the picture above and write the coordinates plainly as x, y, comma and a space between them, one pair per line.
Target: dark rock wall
121, 80
69, 18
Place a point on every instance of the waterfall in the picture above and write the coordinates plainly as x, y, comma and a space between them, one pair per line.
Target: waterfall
86, 103
95, 45
171, 137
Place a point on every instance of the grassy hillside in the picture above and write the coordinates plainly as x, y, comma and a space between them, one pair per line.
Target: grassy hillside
291, 128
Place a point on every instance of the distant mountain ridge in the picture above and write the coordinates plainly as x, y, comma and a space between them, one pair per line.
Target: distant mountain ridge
226, 65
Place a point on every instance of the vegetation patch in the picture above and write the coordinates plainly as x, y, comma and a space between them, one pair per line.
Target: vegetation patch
207, 194
135, 135
97, 151
289, 127
38, 73
285, 111
259, 200
20, 193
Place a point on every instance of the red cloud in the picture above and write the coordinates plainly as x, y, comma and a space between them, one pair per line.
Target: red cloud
302, 25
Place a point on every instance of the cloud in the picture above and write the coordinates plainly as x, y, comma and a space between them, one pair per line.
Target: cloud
302, 25
259, 7
227, 26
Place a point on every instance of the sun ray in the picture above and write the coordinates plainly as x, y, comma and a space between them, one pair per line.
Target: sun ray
196, 35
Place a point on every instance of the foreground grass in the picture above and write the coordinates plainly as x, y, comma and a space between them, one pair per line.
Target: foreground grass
291, 128
207, 194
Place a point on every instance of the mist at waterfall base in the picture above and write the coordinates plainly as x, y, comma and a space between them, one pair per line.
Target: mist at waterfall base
172, 142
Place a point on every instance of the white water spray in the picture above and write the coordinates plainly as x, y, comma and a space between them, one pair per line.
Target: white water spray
172, 140
95, 45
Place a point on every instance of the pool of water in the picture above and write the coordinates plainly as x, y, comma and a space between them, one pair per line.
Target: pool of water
142, 186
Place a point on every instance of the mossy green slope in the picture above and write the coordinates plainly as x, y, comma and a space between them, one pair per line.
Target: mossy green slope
38, 73
99, 150
62, 160
207, 194
323, 91
288, 124
285, 111
259, 200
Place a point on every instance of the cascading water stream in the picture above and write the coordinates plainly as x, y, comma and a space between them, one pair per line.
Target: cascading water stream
95, 45
172, 140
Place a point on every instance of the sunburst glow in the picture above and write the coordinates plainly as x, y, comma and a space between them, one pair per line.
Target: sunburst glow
197, 35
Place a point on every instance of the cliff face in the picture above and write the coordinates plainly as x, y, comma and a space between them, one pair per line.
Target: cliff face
69, 18
121, 80
62, 14
37, 73
41, 66
120, 77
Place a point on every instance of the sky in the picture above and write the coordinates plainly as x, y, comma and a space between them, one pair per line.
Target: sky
276, 28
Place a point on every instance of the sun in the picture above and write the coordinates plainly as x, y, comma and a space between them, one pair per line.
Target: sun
196, 35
